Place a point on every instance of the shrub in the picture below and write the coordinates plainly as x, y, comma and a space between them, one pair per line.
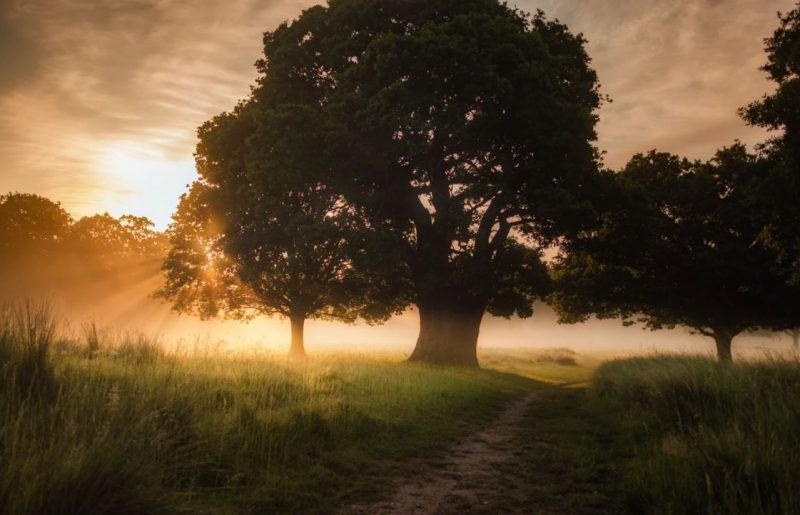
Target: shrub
559, 356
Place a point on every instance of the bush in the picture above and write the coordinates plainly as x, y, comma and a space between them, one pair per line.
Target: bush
559, 356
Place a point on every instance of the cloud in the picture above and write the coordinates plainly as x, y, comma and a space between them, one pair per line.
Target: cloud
80, 77
20, 55
677, 71
112, 73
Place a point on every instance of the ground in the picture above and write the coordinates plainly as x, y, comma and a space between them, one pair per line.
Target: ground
546, 452
127, 428
471, 476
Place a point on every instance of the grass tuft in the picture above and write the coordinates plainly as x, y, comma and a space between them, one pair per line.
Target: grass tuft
27, 332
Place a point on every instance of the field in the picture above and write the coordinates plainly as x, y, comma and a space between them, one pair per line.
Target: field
91, 426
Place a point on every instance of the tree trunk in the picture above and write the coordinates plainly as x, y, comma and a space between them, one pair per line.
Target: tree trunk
297, 350
723, 340
448, 335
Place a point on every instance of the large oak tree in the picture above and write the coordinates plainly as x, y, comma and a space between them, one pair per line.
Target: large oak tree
460, 131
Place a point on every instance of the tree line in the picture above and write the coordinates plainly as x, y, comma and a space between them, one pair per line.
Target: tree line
431, 153
401, 153
41, 243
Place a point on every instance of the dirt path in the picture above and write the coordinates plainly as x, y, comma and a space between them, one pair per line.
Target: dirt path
475, 476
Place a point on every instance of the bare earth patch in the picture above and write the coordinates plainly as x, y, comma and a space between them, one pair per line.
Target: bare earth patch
475, 476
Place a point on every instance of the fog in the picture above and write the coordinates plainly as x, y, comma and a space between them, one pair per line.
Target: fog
122, 301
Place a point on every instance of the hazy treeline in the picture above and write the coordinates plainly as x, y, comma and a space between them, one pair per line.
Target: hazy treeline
44, 250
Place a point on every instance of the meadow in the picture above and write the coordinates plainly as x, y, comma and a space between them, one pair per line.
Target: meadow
123, 427
119, 425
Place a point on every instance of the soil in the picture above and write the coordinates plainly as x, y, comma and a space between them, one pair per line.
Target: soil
475, 476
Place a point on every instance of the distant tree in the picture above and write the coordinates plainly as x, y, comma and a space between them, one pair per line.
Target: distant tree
460, 130
780, 112
258, 234
114, 242
30, 225
792, 332
679, 246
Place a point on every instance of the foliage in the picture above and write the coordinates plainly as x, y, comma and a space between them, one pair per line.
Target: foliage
443, 140
706, 438
678, 245
44, 250
30, 225
459, 134
780, 112
258, 233
109, 241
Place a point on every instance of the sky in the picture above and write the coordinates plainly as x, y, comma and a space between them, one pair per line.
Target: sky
100, 99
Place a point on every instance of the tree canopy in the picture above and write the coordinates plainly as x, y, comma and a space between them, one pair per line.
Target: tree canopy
457, 134
260, 234
680, 246
31, 225
45, 251
780, 113
109, 241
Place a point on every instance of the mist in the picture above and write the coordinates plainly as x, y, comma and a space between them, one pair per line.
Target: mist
121, 301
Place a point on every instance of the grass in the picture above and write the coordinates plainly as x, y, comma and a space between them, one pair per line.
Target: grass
661, 435
115, 424
707, 437
26, 335
551, 366
572, 454
130, 429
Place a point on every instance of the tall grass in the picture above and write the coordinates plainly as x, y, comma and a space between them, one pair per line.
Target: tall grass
132, 429
27, 331
709, 438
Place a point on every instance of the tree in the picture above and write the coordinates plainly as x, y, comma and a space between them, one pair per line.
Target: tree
31, 226
460, 130
780, 112
679, 246
257, 234
115, 242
